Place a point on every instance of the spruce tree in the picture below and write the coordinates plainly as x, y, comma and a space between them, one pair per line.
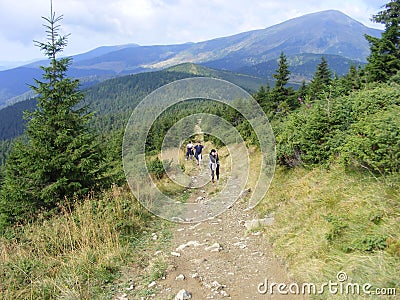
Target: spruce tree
262, 97
321, 80
60, 158
384, 60
281, 94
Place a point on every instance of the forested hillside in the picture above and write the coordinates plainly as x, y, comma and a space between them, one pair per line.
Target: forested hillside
113, 100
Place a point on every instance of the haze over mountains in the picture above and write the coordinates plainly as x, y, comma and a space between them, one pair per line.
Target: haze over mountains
331, 33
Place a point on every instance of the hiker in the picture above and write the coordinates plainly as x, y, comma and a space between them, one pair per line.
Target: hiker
198, 149
217, 166
213, 163
189, 150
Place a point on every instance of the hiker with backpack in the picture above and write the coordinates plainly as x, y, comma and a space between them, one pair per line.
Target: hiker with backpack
213, 164
198, 150
217, 166
189, 150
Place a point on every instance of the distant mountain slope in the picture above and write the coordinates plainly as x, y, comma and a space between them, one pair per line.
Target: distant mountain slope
326, 32
113, 100
12, 123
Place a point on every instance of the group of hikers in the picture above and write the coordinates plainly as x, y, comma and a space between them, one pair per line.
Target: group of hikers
196, 151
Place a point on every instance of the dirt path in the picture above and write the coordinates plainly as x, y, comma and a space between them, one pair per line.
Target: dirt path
226, 257
222, 259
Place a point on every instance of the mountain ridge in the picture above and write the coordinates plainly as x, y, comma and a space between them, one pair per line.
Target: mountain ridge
326, 32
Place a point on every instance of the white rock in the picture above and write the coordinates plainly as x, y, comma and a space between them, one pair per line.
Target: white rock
188, 244
256, 223
183, 295
130, 288
214, 248
180, 277
216, 285
153, 283
199, 198
241, 245
194, 226
176, 254
256, 233
224, 293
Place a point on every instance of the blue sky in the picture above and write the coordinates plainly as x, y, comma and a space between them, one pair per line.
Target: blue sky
94, 23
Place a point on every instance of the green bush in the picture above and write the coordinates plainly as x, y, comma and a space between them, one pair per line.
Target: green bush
361, 128
374, 142
156, 168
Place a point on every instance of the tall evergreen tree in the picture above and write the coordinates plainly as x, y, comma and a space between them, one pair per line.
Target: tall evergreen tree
60, 158
281, 94
384, 60
321, 80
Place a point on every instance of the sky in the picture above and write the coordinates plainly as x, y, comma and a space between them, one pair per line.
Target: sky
95, 23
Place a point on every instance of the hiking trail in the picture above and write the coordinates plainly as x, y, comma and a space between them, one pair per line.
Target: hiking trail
226, 257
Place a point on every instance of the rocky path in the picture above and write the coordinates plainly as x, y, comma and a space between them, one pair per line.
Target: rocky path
226, 257
223, 258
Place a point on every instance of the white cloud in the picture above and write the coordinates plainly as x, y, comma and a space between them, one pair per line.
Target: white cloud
93, 23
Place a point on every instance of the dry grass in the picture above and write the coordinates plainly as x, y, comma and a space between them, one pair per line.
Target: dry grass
76, 255
329, 220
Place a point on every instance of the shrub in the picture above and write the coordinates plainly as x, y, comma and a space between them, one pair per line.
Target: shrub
361, 128
156, 168
374, 142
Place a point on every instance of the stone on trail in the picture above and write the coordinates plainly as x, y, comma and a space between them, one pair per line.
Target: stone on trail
176, 254
256, 223
183, 295
241, 245
217, 286
214, 248
180, 277
190, 243
224, 293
